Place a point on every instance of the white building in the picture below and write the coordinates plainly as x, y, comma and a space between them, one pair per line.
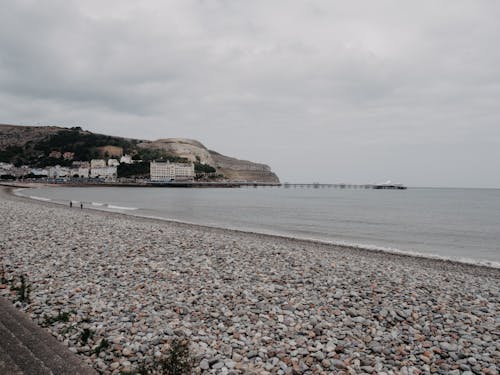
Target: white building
58, 171
166, 171
6, 166
83, 172
113, 163
23, 170
97, 163
80, 164
40, 172
104, 172
126, 159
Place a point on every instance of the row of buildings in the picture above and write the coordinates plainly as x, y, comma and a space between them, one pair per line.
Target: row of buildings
79, 169
103, 169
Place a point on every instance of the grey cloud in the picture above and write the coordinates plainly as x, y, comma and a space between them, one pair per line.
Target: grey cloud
284, 82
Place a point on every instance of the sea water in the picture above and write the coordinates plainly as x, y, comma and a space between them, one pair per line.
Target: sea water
460, 224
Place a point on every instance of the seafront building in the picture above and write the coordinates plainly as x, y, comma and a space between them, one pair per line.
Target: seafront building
83, 172
6, 169
58, 172
126, 159
6, 166
39, 172
80, 164
97, 163
167, 171
113, 163
108, 173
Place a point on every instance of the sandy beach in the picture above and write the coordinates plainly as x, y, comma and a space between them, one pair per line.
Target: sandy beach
247, 303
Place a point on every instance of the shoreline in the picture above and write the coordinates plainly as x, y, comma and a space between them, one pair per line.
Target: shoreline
247, 303
364, 248
182, 184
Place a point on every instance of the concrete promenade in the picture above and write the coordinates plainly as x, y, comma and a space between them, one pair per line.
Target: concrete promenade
25, 348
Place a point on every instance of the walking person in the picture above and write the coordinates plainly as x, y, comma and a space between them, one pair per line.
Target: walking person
70, 204
81, 205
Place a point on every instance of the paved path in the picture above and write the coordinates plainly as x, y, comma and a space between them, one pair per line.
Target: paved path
25, 348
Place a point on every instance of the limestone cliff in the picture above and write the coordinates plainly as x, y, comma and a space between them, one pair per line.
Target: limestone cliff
243, 170
186, 148
232, 168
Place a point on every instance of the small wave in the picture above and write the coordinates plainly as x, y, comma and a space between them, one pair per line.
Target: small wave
375, 248
18, 191
97, 204
113, 207
416, 254
381, 249
39, 198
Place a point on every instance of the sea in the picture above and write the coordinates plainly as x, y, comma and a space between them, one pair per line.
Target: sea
457, 224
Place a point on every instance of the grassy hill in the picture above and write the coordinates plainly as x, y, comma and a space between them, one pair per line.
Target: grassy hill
33, 146
41, 146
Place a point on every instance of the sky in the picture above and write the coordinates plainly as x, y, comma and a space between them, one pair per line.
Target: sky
322, 91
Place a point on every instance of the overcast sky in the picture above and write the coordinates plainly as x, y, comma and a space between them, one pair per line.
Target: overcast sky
328, 91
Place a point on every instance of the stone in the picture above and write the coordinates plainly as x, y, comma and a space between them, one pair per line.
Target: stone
204, 365
245, 303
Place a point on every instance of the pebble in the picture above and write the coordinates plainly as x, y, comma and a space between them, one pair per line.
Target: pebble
247, 303
204, 365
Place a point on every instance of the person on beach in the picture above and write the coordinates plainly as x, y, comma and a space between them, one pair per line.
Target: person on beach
70, 204
81, 205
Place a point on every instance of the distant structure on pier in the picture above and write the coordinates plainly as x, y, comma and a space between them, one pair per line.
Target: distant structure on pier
389, 185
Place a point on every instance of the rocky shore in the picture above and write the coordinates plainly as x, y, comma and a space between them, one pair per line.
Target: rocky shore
118, 290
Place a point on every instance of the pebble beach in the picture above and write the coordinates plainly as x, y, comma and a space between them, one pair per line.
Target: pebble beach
118, 289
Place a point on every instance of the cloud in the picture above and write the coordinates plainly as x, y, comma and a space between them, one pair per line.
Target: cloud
250, 78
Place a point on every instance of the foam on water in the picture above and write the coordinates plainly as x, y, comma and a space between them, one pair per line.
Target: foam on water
18, 191
412, 253
39, 198
113, 207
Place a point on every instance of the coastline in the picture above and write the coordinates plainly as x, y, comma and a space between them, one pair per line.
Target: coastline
313, 241
247, 302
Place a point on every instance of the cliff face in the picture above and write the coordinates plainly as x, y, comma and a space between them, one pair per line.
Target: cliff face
186, 148
232, 168
243, 170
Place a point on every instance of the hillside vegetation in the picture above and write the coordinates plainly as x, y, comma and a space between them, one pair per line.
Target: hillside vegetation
83, 144
35, 151
43, 146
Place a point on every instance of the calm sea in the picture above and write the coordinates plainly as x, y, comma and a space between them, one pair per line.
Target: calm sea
462, 224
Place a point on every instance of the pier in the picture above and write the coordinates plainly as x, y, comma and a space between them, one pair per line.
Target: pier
317, 185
